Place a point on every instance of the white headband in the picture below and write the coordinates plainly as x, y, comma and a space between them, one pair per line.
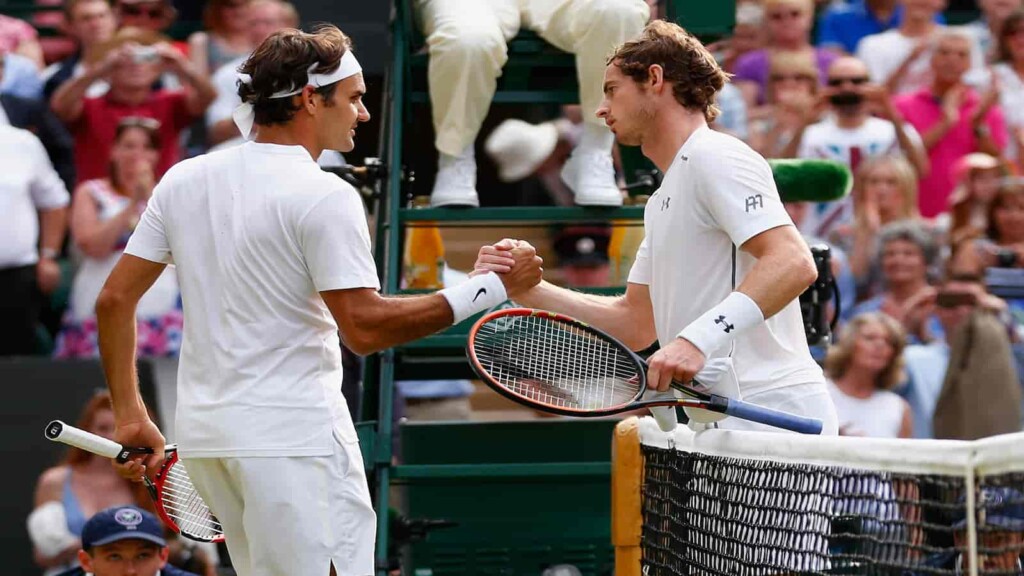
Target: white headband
244, 115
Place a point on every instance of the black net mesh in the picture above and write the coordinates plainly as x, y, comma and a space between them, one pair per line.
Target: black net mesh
707, 514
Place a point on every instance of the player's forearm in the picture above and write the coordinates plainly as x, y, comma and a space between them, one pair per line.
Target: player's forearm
778, 278
393, 321
612, 314
115, 319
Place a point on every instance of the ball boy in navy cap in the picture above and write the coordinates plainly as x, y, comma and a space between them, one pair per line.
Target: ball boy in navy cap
124, 541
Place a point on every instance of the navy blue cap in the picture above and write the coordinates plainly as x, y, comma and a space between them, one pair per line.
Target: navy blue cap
122, 523
998, 506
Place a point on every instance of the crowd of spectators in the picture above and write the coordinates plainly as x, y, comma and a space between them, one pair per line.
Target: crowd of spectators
928, 248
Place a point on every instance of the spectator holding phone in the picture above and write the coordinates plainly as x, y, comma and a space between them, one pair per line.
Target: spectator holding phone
132, 63
964, 386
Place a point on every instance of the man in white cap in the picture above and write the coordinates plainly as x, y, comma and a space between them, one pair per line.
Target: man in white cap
273, 259
467, 41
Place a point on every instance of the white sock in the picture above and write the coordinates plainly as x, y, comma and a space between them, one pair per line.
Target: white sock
596, 138
447, 159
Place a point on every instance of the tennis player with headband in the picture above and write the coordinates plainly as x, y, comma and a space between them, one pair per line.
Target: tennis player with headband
727, 314
273, 258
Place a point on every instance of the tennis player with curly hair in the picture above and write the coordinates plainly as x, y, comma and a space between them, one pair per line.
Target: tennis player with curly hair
716, 279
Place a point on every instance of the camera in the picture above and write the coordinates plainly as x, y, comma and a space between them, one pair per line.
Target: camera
1006, 258
144, 54
814, 301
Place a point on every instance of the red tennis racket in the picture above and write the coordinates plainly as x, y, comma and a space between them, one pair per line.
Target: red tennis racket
177, 502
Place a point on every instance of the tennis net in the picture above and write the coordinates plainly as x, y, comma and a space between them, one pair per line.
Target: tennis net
742, 503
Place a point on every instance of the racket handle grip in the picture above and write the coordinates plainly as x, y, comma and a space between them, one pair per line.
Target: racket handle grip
770, 417
61, 432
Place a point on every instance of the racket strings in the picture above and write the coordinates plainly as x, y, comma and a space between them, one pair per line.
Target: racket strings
556, 363
182, 503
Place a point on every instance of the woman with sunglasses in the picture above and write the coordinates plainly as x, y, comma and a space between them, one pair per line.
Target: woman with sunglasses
789, 31
104, 213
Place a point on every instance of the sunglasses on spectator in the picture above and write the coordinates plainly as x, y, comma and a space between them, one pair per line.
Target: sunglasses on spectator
783, 15
797, 77
154, 12
139, 122
856, 81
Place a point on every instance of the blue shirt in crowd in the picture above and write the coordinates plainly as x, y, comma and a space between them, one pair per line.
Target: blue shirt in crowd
844, 23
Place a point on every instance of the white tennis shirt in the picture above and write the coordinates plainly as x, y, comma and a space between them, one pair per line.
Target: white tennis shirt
717, 194
256, 232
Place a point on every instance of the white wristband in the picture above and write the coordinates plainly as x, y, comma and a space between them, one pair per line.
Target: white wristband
720, 325
477, 294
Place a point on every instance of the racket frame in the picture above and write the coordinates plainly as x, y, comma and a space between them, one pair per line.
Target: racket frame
155, 487
698, 399
701, 399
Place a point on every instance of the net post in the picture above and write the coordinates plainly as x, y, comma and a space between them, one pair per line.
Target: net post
627, 516
970, 514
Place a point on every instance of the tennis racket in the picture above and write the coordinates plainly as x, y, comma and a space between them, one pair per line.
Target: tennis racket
560, 365
177, 502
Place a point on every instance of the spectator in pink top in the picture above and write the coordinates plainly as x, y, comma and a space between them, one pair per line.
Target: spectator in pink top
952, 119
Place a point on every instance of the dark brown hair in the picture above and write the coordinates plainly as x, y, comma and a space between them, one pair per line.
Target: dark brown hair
695, 75
1011, 25
280, 64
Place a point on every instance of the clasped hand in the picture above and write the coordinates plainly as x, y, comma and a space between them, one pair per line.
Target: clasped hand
516, 263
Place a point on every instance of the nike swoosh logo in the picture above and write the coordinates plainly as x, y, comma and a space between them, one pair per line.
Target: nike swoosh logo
479, 292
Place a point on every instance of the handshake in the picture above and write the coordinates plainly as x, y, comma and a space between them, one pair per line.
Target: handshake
514, 261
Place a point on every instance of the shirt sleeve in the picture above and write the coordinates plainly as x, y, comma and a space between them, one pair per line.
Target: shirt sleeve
335, 243
149, 241
47, 189
640, 272
737, 189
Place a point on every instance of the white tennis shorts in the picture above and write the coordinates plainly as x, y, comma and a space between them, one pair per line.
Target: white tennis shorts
292, 516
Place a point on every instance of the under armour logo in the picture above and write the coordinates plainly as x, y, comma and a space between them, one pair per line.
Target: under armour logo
754, 202
728, 327
665, 202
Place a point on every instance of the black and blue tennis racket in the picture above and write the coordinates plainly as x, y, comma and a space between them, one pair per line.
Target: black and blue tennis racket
560, 365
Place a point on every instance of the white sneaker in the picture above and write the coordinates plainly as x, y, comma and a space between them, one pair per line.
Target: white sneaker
591, 177
455, 184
